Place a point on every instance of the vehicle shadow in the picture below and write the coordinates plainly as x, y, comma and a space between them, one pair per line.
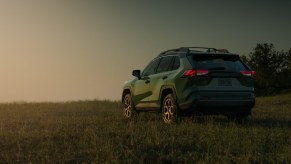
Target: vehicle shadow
250, 122
263, 122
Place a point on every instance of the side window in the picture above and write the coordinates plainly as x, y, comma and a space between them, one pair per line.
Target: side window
176, 63
165, 64
151, 68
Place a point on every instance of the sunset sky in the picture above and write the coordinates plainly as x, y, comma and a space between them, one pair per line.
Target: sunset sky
62, 50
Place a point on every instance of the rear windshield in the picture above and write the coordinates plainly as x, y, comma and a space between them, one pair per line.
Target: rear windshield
230, 63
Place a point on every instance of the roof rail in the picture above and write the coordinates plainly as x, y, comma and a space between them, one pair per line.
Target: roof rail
204, 48
189, 49
171, 50
222, 50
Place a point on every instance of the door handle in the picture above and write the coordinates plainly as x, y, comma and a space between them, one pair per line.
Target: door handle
147, 81
165, 77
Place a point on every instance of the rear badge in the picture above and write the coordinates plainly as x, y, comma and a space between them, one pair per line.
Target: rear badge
224, 82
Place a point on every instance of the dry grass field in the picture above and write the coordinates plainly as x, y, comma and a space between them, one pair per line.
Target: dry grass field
96, 132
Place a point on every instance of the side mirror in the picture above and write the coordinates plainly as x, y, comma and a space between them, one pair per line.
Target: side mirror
136, 73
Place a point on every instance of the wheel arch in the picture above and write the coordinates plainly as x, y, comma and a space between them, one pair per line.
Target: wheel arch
165, 90
125, 92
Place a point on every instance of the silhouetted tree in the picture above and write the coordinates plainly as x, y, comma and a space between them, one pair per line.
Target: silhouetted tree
273, 69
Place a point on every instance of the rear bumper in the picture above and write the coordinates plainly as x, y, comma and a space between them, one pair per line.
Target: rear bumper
218, 105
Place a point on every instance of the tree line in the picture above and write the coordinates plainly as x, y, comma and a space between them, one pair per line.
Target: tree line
273, 69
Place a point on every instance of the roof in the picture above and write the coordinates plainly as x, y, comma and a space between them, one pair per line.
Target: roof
196, 50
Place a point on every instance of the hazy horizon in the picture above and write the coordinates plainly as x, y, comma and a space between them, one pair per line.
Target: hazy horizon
77, 50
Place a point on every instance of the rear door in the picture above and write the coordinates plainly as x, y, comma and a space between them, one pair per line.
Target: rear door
224, 77
159, 79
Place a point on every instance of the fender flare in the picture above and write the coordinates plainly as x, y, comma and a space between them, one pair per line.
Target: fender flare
167, 87
124, 92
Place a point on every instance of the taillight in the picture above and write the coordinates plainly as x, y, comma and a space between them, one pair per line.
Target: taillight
194, 72
248, 73
201, 72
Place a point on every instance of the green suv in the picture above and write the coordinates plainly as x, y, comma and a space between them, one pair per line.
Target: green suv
191, 80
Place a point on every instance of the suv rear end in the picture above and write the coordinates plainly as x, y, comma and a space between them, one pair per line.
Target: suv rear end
217, 83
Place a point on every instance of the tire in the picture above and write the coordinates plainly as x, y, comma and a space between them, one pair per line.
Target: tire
129, 111
170, 111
